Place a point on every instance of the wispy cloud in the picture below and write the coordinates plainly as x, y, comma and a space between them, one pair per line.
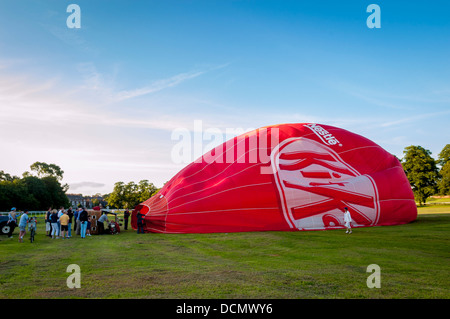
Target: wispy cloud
158, 85
415, 118
107, 89
163, 84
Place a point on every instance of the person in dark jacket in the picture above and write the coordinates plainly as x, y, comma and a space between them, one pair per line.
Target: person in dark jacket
83, 222
54, 222
140, 222
70, 214
126, 215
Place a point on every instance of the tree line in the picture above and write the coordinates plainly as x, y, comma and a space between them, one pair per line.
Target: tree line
41, 188
38, 189
426, 175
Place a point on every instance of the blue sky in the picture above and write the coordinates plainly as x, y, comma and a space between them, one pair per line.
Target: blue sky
102, 101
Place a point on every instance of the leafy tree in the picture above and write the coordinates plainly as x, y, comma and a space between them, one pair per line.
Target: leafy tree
43, 169
32, 192
115, 198
7, 177
444, 155
57, 192
38, 191
131, 194
95, 202
444, 162
146, 190
422, 172
9, 195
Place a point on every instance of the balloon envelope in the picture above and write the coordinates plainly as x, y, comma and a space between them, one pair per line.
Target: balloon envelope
284, 177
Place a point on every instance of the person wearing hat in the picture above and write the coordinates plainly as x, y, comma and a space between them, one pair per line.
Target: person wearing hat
12, 221
347, 221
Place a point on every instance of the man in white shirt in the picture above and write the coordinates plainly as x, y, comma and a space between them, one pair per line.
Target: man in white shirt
347, 221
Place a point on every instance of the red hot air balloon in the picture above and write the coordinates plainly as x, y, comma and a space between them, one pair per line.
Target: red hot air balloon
283, 178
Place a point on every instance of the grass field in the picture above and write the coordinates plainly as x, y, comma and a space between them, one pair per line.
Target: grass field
413, 258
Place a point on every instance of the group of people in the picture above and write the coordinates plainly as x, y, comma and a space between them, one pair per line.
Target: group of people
58, 223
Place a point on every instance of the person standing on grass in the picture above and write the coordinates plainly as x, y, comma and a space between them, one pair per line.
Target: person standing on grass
125, 218
70, 214
83, 216
100, 223
347, 221
23, 225
75, 216
54, 222
64, 221
12, 221
88, 228
48, 223
78, 223
60, 213
140, 222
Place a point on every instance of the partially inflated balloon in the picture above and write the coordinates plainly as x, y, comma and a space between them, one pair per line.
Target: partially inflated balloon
284, 177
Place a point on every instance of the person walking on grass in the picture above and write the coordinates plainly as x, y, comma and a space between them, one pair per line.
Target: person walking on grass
347, 221
64, 221
23, 225
83, 216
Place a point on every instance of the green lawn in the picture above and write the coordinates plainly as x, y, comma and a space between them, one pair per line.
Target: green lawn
414, 261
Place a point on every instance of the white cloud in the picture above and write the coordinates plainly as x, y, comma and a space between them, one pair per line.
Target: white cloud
75, 186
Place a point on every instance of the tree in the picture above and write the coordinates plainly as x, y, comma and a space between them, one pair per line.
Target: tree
7, 177
32, 192
444, 155
95, 202
43, 169
37, 193
146, 190
57, 192
131, 194
421, 170
444, 162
